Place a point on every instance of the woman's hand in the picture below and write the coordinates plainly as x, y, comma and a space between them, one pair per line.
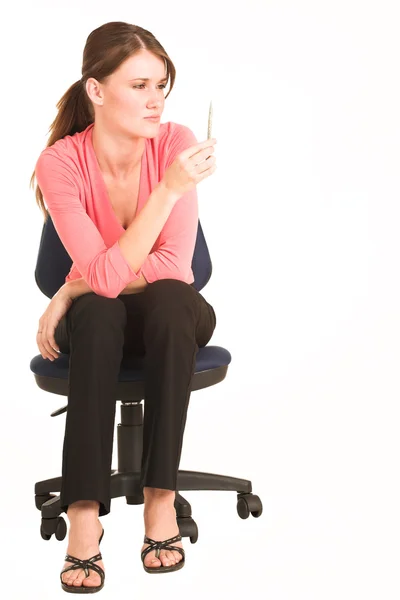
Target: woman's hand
190, 167
59, 305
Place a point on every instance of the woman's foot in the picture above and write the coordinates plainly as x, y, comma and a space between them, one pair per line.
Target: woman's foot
83, 542
160, 524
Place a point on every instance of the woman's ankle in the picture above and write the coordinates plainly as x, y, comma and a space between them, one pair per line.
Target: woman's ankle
158, 495
88, 509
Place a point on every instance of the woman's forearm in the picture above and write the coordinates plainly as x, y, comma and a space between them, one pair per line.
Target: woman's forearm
75, 288
136, 242
78, 287
139, 238
135, 287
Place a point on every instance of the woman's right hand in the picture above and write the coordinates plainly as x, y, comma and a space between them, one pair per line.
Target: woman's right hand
59, 305
188, 170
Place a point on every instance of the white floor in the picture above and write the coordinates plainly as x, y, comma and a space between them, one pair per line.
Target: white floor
342, 545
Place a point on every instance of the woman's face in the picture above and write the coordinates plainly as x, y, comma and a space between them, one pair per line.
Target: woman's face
126, 100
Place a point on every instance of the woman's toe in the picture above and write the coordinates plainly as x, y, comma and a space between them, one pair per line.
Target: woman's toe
79, 578
151, 561
70, 580
93, 580
165, 559
155, 562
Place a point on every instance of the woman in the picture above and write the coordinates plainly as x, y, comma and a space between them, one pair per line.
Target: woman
121, 191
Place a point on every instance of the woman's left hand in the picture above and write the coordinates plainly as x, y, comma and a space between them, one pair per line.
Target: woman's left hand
59, 305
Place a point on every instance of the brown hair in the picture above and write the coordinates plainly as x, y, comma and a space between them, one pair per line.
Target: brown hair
106, 48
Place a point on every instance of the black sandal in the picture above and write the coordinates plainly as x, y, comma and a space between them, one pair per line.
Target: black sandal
158, 546
86, 565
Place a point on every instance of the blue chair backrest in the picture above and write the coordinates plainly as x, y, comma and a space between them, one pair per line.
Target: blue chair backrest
53, 261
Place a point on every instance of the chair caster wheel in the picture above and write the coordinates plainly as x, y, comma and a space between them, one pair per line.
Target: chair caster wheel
188, 528
44, 535
249, 503
61, 529
42, 498
57, 526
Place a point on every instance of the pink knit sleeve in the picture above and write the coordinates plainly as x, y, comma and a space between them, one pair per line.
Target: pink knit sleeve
173, 257
104, 269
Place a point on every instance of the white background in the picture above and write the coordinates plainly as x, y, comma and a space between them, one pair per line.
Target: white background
302, 220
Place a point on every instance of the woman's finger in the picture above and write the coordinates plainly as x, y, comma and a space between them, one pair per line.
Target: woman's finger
52, 340
44, 346
46, 351
40, 345
52, 353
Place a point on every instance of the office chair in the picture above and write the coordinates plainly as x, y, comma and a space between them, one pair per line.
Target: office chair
53, 264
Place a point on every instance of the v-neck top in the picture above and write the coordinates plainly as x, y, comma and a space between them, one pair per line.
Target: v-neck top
74, 190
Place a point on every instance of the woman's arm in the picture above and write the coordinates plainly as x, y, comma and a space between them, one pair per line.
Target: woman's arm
78, 287
135, 287
166, 217
108, 270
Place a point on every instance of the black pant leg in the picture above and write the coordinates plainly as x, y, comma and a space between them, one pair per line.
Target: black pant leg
176, 322
94, 326
167, 323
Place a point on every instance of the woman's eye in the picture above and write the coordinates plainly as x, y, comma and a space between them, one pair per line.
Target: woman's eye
140, 85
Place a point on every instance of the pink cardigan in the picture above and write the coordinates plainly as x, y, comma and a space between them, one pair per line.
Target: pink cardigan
74, 190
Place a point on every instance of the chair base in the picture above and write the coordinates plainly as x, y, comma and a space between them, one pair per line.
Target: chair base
127, 484
125, 481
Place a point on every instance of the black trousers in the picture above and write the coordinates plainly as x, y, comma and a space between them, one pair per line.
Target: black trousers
165, 324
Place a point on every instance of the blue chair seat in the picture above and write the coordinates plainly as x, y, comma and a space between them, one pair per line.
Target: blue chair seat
211, 367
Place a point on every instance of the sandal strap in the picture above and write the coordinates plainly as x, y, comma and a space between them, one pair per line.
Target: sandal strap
161, 545
84, 564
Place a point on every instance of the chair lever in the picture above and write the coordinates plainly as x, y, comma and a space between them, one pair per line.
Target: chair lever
59, 411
